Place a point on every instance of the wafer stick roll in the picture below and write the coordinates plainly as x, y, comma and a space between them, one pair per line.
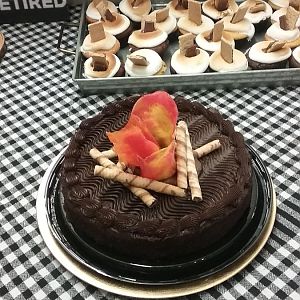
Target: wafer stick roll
181, 157
191, 168
146, 183
144, 195
121, 165
207, 148
109, 153
101, 159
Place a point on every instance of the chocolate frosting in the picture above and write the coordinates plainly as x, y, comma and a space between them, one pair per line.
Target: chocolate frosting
110, 214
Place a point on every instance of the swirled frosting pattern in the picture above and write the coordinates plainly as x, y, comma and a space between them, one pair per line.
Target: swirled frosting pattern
109, 213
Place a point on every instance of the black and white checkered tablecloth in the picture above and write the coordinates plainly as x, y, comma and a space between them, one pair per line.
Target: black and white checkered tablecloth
40, 109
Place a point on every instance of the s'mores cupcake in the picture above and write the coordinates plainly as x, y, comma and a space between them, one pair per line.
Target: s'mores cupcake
135, 10
194, 22
281, 12
210, 41
116, 24
218, 9
240, 29
98, 41
294, 61
228, 59
103, 66
144, 63
285, 29
259, 14
189, 59
166, 22
268, 55
92, 13
148, 37
178, 8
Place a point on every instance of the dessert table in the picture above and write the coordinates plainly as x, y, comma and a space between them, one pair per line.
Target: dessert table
40, 109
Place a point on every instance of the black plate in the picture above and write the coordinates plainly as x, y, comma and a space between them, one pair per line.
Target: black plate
214, 259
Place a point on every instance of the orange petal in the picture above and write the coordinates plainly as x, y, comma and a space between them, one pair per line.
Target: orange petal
137, 122
158, 112
131, 145
159, 165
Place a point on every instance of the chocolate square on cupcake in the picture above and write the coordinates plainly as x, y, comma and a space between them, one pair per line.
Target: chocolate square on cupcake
210, 41
149, 37
280, 12
285, 29
116, 24
228, 59
178, 8
194, 22
238, 27
166, 22
189, 59
218, 9
103, 66
92, 13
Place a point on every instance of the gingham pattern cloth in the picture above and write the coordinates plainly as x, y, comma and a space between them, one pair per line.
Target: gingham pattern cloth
40, 107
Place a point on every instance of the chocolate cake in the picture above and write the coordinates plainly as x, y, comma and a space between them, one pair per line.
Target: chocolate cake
120, 224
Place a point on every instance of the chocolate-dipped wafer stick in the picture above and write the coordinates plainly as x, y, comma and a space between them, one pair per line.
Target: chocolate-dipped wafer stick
207, 148
144, 195
191, 168
180, 151
137, 181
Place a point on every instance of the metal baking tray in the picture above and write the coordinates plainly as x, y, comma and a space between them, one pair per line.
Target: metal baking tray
210, 80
